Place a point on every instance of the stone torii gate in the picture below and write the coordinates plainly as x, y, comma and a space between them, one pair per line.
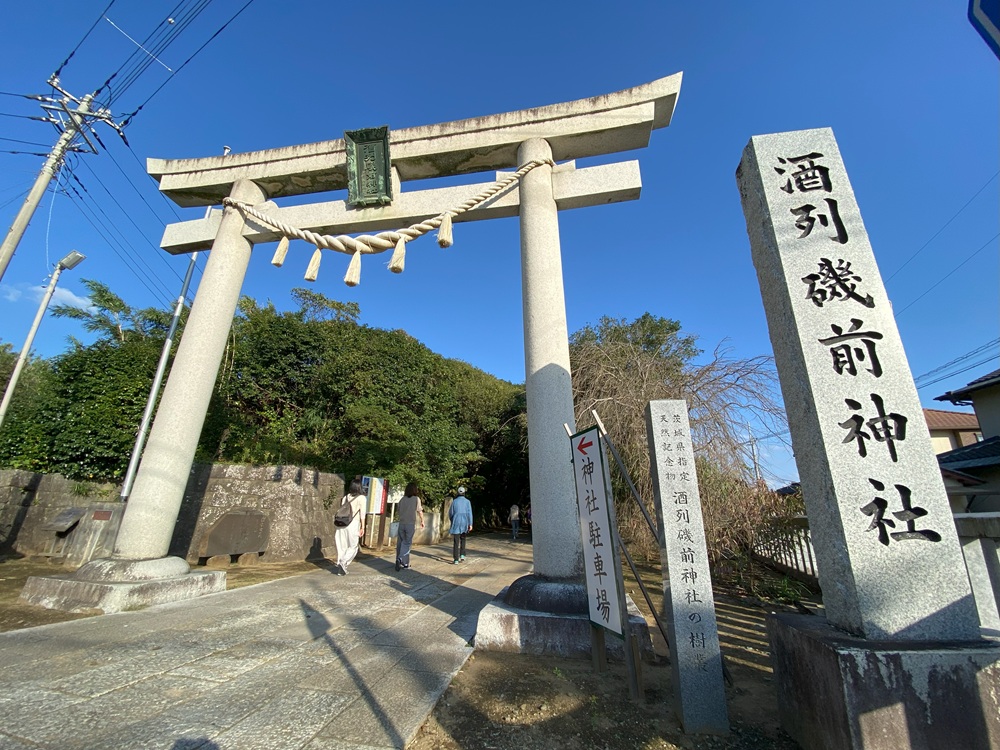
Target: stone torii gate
559, 133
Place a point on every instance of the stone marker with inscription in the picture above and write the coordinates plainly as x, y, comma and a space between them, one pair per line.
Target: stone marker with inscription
695, 658
881, 525
887, 551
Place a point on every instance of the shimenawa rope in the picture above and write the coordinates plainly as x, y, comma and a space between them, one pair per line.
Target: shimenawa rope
366, 244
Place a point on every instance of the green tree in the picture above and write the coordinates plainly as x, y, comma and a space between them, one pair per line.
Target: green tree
111, 318
24, 439
316, 388
82, 418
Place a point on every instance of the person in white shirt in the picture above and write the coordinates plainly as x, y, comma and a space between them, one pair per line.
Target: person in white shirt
348, 538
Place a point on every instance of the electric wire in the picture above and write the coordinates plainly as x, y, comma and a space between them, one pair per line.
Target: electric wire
48, 223
129, 117
22, 196
975, 195
140, 59
26, 143
124, 242
139, 192
81, 206
158, 253
105, 228
25, 153
958, 360
77, 47
973, 366
950, 273
173, 207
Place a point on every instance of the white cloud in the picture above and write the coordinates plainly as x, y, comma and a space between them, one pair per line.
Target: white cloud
66, 297
27, 294
10, 293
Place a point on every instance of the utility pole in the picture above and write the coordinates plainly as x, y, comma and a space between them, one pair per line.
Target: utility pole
753, 454
76, 124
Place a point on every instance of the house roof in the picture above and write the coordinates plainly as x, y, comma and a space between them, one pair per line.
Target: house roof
790, 489
988, 380
966, 480
981, 454
938, 419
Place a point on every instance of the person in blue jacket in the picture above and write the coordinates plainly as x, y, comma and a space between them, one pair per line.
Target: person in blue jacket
460, 514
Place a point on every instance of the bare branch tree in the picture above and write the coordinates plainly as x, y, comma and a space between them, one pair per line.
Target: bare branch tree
619, 366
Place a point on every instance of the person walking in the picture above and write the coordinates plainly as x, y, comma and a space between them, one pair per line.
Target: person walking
350, 523
460, 514
409, 510
515, 520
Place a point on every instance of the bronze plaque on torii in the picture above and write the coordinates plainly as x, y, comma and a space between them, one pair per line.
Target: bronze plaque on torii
369, 178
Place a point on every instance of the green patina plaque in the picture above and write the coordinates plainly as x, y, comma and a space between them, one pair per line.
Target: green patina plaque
369, 179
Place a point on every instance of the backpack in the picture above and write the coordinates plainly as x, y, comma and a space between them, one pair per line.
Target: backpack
344, 516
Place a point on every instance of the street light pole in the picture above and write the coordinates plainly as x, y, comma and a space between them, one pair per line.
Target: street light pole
70, 261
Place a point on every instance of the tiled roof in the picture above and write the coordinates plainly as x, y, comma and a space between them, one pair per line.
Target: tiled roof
937, 419
962, 394
983, 453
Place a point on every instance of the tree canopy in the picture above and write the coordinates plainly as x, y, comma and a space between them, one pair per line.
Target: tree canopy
310, 387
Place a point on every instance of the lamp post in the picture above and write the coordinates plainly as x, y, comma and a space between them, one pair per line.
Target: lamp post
70, 261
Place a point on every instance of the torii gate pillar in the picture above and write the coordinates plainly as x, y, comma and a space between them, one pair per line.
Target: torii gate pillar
555, 530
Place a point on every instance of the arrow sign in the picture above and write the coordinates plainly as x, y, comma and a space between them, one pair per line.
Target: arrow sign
581, 445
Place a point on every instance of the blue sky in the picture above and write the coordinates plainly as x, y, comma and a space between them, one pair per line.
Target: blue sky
910, 90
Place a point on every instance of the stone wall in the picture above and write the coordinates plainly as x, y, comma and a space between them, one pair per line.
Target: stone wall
29, 501
297, 503
292, 498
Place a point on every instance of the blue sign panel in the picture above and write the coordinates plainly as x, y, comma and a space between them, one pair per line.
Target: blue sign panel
985, 18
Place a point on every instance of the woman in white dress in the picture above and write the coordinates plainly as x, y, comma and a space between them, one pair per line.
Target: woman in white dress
348, 538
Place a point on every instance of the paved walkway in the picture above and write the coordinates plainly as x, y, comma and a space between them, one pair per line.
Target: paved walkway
317, 661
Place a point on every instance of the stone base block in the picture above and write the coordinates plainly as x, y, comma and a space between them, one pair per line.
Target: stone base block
838, 692
503, 627
70, 594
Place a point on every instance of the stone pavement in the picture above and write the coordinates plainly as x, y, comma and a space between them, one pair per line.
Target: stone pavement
317, 661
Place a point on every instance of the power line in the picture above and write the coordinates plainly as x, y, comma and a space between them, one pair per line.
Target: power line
73, 52
129, 117
125, 244
81, 205
15, 198
25, 153
973, 366
957, 360
134, 259
140, 60
943, 278
22, 117
138, 229
945, 224
26, 143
